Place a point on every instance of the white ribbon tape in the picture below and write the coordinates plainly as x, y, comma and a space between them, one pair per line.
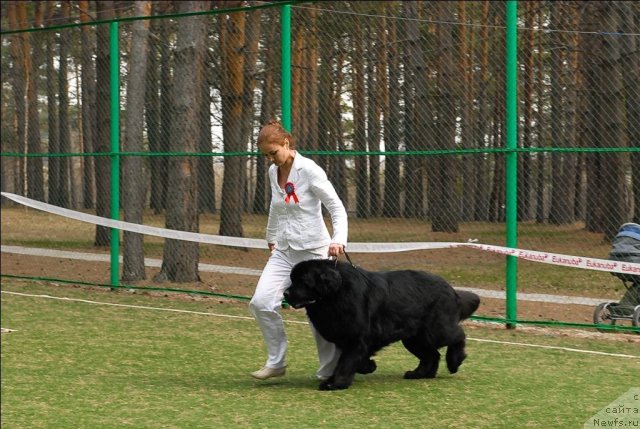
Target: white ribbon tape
564, 260
529, 255
142, 229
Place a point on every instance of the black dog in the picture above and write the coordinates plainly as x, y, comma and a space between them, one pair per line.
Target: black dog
362, 312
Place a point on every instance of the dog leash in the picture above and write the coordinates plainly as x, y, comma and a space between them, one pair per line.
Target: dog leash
355, 267
348, 259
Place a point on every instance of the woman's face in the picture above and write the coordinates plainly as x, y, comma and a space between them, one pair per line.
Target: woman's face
276, 152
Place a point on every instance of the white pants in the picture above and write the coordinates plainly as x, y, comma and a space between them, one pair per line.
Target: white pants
267, 299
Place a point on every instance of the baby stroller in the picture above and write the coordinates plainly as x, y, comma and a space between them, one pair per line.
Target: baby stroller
626, 248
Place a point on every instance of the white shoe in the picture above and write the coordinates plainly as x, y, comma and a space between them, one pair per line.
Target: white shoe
266, 372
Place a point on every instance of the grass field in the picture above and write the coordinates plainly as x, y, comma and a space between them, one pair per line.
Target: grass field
133, 364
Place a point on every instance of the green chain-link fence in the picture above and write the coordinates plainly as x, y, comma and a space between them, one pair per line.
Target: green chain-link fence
402, 103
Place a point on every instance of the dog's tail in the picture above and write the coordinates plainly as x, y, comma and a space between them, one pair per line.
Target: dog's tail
469, 302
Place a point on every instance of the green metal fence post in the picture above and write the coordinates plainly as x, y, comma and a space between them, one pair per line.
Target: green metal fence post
285, 42
511, 158
114, 68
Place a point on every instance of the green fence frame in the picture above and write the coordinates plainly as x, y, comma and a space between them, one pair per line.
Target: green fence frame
511, 122
511, 150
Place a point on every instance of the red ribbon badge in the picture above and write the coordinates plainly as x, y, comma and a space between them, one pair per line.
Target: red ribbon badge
290, 189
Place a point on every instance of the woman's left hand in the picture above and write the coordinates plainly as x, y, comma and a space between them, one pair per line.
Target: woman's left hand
336, 249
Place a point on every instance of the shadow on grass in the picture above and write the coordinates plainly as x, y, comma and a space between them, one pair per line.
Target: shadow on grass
242, 383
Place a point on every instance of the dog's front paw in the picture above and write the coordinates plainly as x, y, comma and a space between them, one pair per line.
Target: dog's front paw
454, 361
330, 385
415, 375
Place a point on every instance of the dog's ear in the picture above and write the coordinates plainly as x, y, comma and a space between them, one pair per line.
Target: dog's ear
329, 281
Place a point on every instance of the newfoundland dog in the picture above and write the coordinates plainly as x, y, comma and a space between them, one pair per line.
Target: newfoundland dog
363, 311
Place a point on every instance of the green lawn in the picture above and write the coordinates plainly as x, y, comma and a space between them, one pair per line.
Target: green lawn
72, 364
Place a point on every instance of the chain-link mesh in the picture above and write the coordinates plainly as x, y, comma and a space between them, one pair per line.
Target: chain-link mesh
402, 103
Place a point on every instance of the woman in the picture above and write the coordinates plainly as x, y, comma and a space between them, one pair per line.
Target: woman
295, 232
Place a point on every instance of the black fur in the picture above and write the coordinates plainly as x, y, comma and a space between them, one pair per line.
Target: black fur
363, 311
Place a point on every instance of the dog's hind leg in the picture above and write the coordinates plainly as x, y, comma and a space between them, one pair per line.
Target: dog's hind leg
367, 366
428, 355
455, 352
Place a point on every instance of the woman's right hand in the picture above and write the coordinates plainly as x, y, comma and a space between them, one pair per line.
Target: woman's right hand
272, 246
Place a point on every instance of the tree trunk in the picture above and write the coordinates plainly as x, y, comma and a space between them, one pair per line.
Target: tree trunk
392, 126
376, 83
445, 207
52, 112
466, 95
330, 86
252, 39
612, 111
160, 165
88, 87
232, 39
64, 133
541, 120
630, 16
525, 160
414, 66
559, 209
268, 102
105, 11
607, 209
19, 49
152, 109
311, 107
180, 258
482, 126
359, 124
206, 174
339, 163
297, 49
497, 197
35, 174
305, 81
563, 109
570, 115
134, 192
325, 95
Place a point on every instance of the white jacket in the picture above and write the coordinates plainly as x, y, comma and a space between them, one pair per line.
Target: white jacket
300, 225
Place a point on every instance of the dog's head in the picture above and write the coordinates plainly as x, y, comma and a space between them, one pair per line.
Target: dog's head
312, 281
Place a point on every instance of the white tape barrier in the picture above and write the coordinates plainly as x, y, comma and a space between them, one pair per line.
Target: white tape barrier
210, 268
564, 260
530, 255
142, 229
